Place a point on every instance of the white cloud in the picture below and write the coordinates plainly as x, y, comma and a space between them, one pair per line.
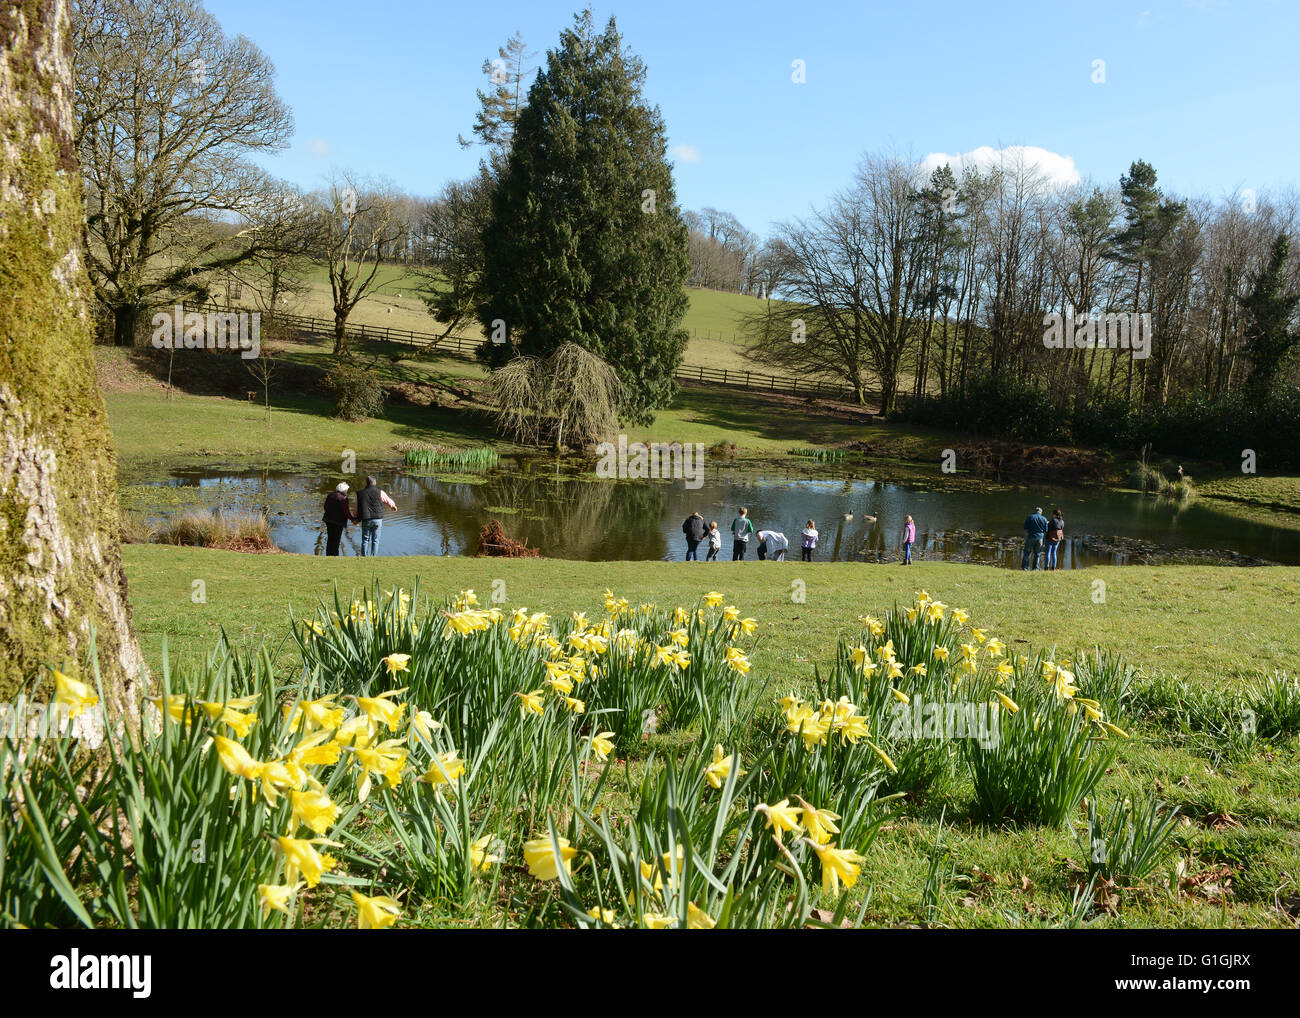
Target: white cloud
686, 153
1057, 170
320, 148
1144, 19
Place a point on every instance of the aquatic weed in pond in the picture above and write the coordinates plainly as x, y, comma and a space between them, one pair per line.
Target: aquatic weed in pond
481, 458
820, 455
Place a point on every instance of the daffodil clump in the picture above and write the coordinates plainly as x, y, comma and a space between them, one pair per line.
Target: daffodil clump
938, 690
704, 850
429, 752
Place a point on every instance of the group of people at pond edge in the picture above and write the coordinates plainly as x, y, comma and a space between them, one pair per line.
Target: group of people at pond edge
369, 512
1042, 537
771, 543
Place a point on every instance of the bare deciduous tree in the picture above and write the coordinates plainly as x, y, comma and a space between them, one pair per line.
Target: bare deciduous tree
354, 223
168, 110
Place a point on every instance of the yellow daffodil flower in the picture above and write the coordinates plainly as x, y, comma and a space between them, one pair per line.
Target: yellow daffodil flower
480, 859
236, 759
314, 810
1006, 701
73, 694
301, 857
602, 745
396, 663
276, 897
382, 710
531, 703
819, 822
540, 856
716, 773
837, 864
447, 767
781, 817
376, 913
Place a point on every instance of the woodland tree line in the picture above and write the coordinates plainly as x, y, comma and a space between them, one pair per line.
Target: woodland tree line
937, 289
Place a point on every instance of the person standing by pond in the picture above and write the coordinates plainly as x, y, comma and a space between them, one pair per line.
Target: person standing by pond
1035, 530
741, 528
370, 511
715, 541
809, 536
1055, 535
337, 516
693, 528
909, 538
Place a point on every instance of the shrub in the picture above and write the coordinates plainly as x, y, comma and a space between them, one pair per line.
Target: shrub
232, 531
494, 541
1146, 478
136, 528
357, 391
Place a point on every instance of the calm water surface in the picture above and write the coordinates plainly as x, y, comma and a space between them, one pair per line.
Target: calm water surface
577, 517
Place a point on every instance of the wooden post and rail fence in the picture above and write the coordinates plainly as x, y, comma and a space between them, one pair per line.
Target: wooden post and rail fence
464, 346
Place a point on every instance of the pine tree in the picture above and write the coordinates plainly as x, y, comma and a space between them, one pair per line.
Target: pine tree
494, 124
1149, 221
586, 243
1270, 310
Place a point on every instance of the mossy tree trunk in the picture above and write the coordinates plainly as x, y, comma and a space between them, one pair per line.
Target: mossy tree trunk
60, 560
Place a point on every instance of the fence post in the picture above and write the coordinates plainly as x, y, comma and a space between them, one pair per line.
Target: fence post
746, 379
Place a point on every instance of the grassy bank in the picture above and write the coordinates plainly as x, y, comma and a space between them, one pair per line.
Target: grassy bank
397, 302
154, 433
1271, 500
1239, 836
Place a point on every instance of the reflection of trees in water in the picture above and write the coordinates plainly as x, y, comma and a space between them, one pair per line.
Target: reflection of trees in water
572, 518
858, 541
585, 519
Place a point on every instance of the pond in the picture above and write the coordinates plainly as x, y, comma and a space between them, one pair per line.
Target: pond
576, 516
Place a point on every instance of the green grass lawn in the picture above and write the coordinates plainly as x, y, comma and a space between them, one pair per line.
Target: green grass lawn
152, 431
1271, 500
396, 302
1217, 626
1222, 625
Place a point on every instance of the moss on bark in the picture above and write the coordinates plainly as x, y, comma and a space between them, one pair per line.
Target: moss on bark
60, 564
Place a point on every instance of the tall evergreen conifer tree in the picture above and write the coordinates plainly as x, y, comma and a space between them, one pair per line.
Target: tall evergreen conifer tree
586, 243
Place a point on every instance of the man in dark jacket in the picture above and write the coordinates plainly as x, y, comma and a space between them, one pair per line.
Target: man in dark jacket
1035, 529
694, 529
370, 511
337, 515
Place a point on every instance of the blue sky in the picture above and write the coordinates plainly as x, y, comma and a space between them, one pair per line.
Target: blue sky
1206, 90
